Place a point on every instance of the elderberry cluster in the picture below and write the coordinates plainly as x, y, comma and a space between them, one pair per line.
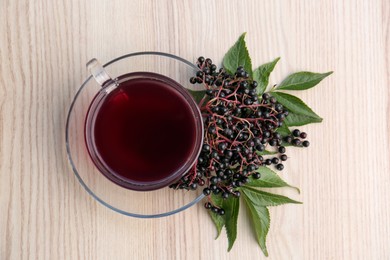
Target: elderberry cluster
239, 126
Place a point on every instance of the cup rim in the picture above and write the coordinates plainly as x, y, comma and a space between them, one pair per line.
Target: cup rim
99, 162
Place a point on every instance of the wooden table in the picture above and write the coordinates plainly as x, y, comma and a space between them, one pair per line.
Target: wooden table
344, 176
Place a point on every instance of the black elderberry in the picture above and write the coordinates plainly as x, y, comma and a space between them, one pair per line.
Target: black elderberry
251, 168
265, 96
208, 205
296, 133
275, 160
206, 148
296, 142
303, 135
193, 80
201, 59
305, 143
283, 157
280, 167
254, 84
282, 149
256, 175
217, 191
288, 139
213, 187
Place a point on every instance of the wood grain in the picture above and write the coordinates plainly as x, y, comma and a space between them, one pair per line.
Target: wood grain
344, 176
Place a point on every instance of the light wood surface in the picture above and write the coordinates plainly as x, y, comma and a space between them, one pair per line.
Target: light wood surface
344, 176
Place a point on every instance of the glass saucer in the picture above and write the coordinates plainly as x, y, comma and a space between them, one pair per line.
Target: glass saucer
150, 204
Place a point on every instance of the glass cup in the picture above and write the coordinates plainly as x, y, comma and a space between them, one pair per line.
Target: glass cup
109, 86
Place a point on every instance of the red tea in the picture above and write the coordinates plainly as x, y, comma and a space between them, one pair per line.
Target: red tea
144, 130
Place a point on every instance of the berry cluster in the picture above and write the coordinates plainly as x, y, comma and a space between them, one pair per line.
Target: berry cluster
239, 126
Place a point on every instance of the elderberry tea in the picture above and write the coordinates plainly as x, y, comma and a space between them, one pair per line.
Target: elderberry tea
143, 131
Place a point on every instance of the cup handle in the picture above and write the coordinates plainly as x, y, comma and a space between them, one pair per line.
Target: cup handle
98, 72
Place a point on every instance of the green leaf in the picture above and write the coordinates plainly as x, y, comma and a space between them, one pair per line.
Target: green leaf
268, 179
260, 221
265, 199
261, 75
283, 130
231, 207
299, 112
265, 152
302, 80
238, 55
197, 94
218, 220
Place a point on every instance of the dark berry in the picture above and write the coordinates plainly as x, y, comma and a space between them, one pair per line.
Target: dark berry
296, 142
251, 168
273, 142
275, 160
201, 59
303, 135
256, 175
206, 148
265, 96
207, 205
254, 84
206, 191
282, 149
221, 212
306, 143
212, 130
296, 133
268, 162
209, 92
288, 139
213, 187
283, 157
214, 180
279, 167
225, 195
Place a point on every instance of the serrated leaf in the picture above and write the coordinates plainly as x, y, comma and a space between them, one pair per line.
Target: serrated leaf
261, 75
231, 207
218, 220
268, 179
238, 55
299, 113
265, 199
299, 120
302, 80
265, 152
260, 221
197, 94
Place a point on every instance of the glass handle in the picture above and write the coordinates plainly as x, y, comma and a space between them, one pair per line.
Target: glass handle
98, 72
